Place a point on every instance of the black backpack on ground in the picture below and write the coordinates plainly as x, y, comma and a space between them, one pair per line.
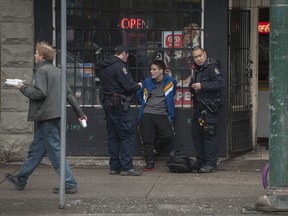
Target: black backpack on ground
179, 162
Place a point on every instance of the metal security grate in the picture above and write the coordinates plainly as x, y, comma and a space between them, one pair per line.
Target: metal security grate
240, 101
94, 28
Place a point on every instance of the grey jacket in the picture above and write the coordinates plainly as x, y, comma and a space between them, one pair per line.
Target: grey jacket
45, 93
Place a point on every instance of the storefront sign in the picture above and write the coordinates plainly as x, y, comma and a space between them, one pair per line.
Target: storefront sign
263, 27
136, 23
182, 98
168, 39
174, 40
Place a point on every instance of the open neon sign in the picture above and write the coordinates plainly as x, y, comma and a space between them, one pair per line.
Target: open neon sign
134, 23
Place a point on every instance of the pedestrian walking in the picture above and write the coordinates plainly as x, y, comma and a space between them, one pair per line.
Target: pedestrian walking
45, 110
157, 112
206, 86
117, 88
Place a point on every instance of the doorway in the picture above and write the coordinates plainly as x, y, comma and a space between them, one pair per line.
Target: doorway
263, 77
240, 98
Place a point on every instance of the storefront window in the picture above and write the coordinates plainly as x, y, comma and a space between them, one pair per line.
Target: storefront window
153, 29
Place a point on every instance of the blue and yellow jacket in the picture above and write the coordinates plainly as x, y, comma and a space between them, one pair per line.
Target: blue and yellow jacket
169, 85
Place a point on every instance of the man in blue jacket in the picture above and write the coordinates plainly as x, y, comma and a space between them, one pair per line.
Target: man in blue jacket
157, 111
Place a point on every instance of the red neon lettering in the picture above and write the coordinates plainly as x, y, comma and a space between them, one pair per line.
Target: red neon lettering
133, 22
139, 23
125, 23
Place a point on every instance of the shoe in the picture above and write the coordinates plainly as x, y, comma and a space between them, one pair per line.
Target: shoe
14, 180
149, 167
131, 172
208, 169
114, 172
68, 190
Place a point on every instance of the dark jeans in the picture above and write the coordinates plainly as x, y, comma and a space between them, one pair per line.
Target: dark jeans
204, 138
156, 132
46, 140
121, 137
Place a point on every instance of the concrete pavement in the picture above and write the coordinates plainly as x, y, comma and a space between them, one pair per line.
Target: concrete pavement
233, 190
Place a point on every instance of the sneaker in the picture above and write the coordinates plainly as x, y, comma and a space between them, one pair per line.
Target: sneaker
68, 190
14, 180
114, 172
208, 169
149, 167
131, 172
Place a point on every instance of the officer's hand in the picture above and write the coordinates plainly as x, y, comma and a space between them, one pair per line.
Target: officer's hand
140, 84
196, 86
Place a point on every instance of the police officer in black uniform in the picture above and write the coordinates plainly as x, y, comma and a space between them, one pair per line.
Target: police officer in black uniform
205, 87
117, 88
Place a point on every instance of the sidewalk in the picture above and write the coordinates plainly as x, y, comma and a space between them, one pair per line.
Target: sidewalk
236, 185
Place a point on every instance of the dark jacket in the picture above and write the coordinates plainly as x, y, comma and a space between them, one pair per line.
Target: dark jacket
45, 93
211, 79
115, 78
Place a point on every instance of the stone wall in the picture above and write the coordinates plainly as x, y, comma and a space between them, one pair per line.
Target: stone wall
17, 60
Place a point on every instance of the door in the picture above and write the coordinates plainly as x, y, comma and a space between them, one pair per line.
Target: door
240, 100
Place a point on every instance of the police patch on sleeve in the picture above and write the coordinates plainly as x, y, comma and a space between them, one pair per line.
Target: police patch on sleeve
216, 71
124, 70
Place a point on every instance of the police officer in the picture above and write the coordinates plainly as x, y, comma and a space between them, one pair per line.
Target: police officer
205, 87
117, 87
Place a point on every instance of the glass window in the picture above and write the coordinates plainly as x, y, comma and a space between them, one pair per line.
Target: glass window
162, 29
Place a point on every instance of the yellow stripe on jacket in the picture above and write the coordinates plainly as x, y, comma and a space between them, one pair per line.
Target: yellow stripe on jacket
168, 88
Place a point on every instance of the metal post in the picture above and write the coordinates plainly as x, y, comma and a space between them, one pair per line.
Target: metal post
278, 135
277, 196
63, 105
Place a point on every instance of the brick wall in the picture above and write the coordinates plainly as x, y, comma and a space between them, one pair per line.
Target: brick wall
17, 56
